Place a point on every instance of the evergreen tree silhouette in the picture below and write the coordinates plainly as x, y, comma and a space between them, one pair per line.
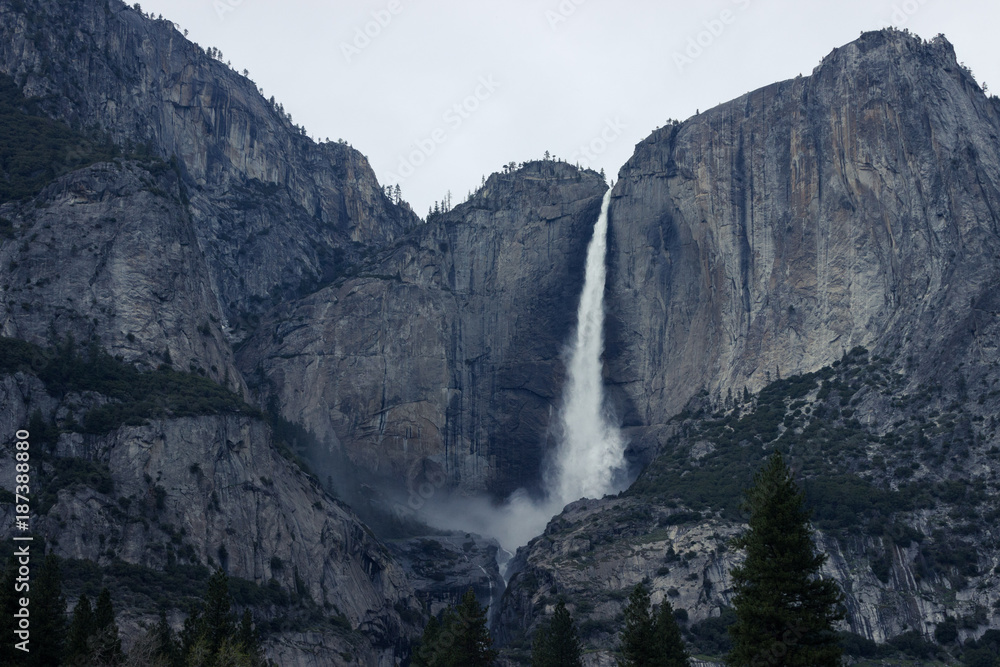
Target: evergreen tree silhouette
48, 614
785, 612
556, 642
81, 629
668, 647
638, 635
460, 639
107, 643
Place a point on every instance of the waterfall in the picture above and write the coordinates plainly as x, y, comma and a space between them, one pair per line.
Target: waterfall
591, 453
589, 461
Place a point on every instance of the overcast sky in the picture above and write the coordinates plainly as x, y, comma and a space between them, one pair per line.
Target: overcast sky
438, 93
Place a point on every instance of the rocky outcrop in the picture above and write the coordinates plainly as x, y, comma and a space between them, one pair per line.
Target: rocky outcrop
769, 235
274, 212
907, 520
442, 567
595, 552
443, 357
593, 555
213, 491
109, 253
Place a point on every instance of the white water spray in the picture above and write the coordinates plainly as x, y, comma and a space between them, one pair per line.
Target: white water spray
592, 451
589, 460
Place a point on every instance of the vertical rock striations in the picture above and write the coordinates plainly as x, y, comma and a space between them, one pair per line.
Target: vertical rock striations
274, 212
776, 237
217, 208
771, 234
444, 353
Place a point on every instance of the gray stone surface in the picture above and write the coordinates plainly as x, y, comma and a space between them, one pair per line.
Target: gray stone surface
445, 354
765, 237
772, 233
273, 211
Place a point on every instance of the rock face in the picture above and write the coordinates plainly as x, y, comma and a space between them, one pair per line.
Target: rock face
762, 239
769, 235
766, 238
444, 355
441, 568
213, 491
273, 212
217, 208
595, 552
128, 271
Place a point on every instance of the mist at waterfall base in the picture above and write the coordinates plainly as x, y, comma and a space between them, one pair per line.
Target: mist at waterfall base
589, 460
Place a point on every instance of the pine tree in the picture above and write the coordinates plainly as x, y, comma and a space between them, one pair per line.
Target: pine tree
211, 635
668, 646
165, 645
217, 616
784, 611
81, 629
189, 634
647, 641
639, 632
48, 614
556, 643
461, 639
473, 644
248, 639
423, 655
107, 643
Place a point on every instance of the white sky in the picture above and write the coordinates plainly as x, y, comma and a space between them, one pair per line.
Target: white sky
558, 74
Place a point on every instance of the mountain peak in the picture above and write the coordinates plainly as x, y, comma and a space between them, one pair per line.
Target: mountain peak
892, 45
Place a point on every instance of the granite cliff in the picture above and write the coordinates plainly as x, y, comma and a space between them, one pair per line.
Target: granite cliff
213, 208
811, 266
273, 211
769, 235
443, 357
